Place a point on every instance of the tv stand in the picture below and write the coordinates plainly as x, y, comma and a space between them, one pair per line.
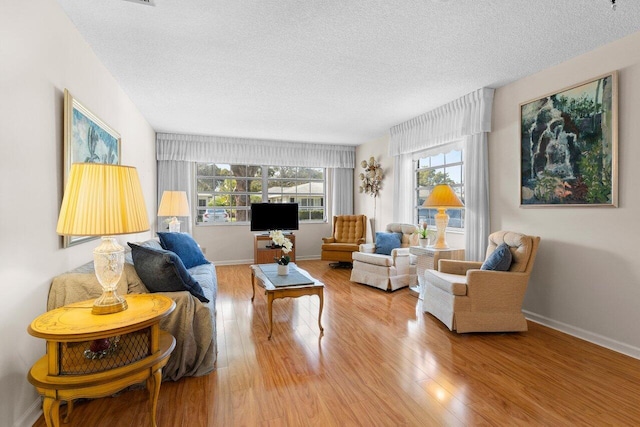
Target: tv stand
266, 255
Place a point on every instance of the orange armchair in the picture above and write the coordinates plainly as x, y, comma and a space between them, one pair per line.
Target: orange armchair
348, 233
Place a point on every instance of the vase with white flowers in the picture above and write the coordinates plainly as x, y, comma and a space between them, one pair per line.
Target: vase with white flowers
284, 244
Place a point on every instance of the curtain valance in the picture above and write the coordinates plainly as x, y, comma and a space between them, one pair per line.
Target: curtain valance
200, 148
468, 115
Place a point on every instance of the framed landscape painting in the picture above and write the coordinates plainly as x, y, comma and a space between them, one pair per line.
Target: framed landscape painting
569, 146
87, 139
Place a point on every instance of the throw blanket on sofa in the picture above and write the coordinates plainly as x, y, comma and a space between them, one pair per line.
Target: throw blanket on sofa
192, 323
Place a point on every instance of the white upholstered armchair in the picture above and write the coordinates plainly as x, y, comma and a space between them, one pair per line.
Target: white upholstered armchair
388, 272
468, 299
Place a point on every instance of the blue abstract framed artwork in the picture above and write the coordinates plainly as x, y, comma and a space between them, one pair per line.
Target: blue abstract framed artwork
87, 139
569, 146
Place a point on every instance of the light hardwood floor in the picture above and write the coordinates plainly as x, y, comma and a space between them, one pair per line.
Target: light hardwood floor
381, 362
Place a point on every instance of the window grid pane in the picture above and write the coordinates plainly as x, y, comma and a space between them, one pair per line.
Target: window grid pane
447, 168
225, 192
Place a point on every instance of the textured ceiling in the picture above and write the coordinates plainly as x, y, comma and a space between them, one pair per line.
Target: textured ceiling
335, 71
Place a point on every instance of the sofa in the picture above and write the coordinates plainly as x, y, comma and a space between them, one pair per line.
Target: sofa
192, 323
387, 266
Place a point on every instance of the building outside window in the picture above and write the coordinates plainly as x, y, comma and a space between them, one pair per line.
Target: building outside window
431, 170
225, 191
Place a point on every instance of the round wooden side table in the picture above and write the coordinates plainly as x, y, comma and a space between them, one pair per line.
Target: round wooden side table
91, 356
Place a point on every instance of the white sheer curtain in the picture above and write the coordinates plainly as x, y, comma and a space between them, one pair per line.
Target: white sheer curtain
467, 118
468, 115
198, 148
176, 176
177, 155
342, 191
403, 189
476, 165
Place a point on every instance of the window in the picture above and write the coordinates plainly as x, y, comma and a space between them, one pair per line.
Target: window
225, 192
442, 168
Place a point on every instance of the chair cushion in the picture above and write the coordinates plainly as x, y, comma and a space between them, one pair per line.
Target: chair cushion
184, 246
386, 242
498, 260
349, 228
521, 246
341, 247
375, 259
163, 271
409, 233
452, 283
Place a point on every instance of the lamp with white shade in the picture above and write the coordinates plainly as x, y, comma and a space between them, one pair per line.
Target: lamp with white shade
442, 197
174, 204
104, 200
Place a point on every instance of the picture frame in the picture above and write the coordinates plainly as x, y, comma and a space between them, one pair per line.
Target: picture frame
87, 139
569, 146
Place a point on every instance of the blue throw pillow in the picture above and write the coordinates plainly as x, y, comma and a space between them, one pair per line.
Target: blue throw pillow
386, 242
185, 247
163, 271
499, 260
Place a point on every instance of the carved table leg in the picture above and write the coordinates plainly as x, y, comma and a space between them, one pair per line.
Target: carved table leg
51, 409
269, 310
67, 417
253, 285
153, 385
321, 296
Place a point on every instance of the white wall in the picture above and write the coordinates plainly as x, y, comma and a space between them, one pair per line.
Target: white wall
365, 203
41, 54
586, 280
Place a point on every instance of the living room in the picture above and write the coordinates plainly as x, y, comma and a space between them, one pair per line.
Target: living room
585, 279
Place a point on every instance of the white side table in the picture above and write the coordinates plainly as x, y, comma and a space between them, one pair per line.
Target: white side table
428, 259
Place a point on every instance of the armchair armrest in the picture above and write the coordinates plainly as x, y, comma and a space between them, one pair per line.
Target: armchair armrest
329, 239
400, 252
369, 248
457, 267
361, 240
496, 289
401, 260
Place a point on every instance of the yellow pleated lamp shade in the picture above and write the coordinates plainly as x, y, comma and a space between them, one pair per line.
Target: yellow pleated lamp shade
442, 196
174, 203
102, 200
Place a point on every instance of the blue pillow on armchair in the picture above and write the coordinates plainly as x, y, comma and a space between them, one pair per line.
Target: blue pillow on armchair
183, 245
499, 260
386, 242
163, 271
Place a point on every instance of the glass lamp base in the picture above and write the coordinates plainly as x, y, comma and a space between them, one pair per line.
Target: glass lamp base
107, 305
108, 261
174, 225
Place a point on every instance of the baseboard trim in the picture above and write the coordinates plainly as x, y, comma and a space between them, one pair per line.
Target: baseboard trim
31, 415
591, 337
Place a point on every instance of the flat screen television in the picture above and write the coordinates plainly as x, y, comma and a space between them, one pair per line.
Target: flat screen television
274, 216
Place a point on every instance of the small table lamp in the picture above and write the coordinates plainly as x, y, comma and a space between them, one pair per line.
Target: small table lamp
174, 203
104, 200
442, 197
